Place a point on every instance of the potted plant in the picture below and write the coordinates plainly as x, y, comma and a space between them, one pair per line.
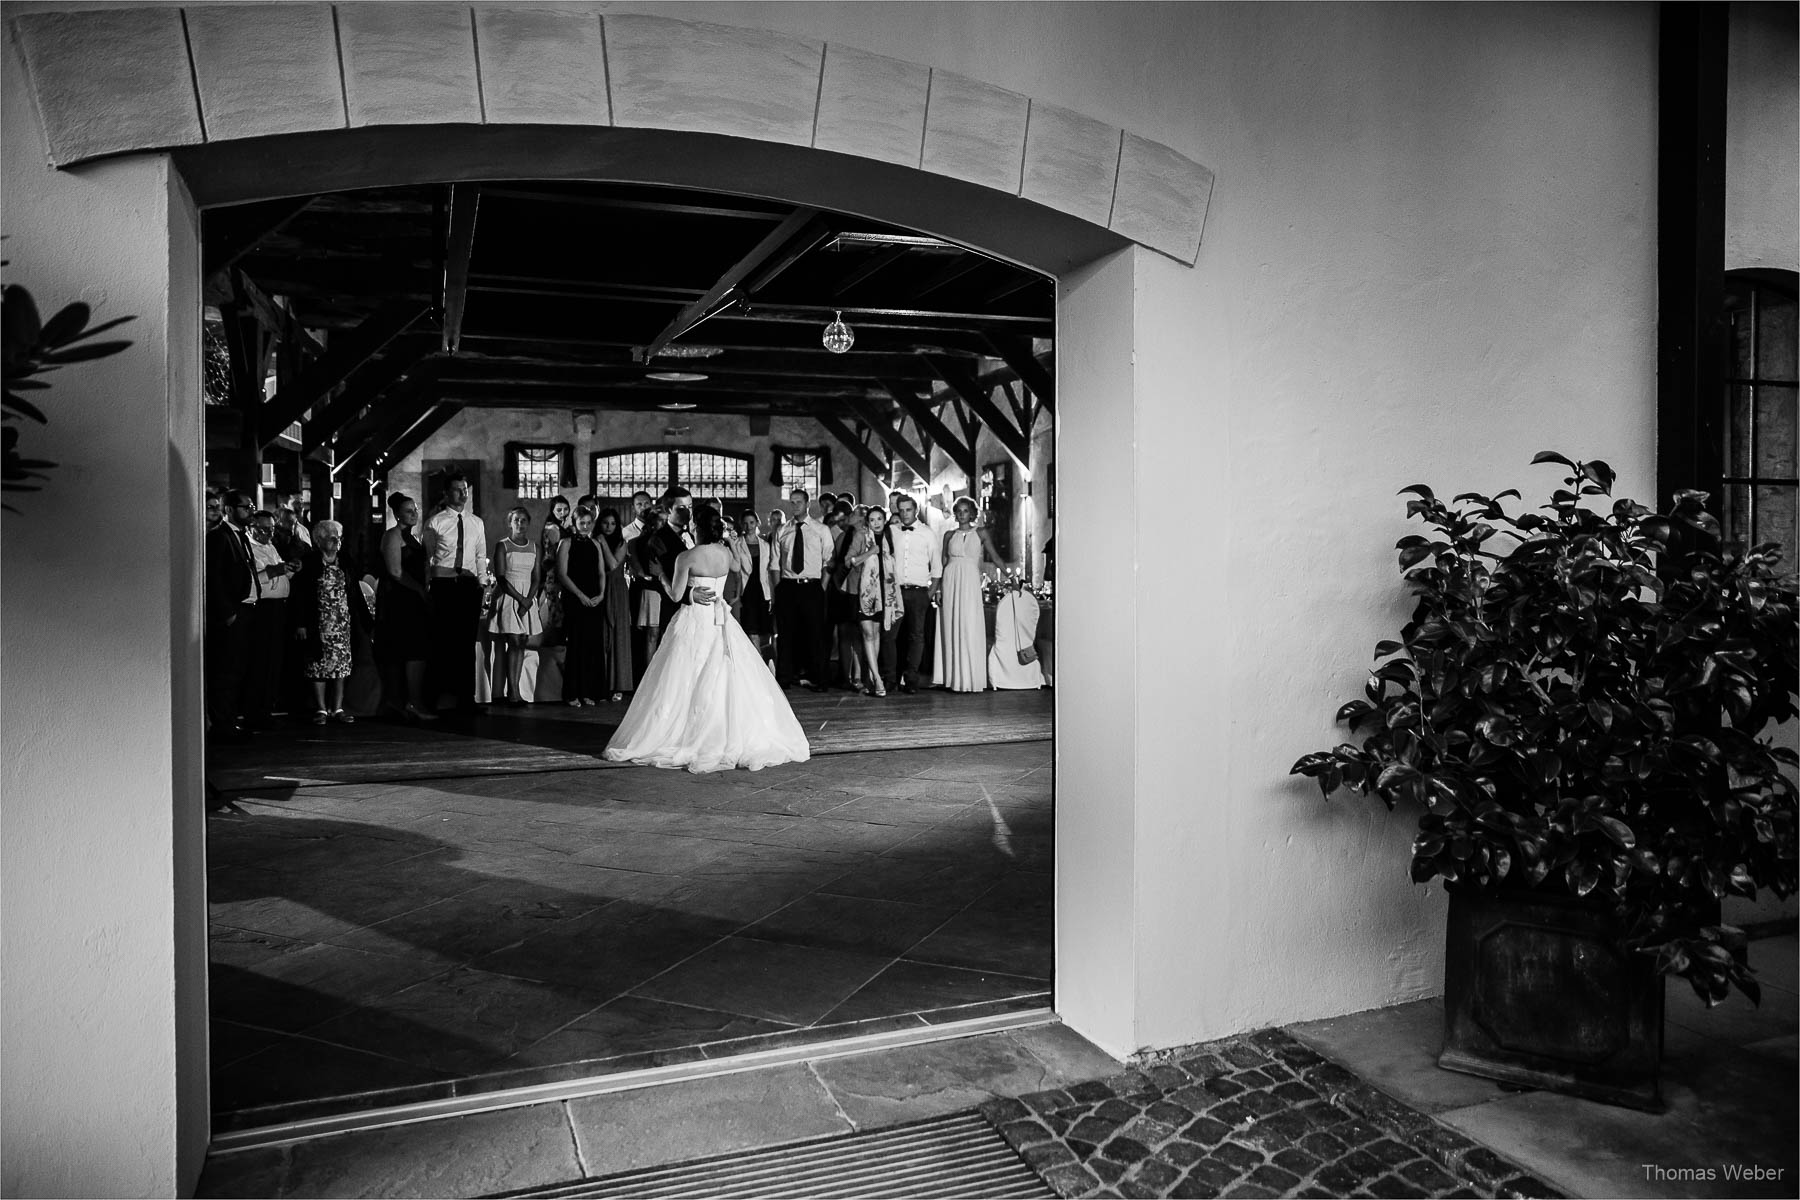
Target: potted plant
1575, 709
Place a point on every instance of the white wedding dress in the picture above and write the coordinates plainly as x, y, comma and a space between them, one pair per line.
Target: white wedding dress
707, 701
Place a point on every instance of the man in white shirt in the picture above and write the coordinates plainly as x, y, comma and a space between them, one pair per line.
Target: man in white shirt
456, 549
919, 566
802, 638
268, 630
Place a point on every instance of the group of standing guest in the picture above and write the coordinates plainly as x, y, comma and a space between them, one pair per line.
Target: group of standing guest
898, 600
276, 598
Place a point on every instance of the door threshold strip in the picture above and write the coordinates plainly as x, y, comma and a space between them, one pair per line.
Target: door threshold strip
600, 1085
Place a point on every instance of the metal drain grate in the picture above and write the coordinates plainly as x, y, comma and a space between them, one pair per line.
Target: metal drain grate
955, 1156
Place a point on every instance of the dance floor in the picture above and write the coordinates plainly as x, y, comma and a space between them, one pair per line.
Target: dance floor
402, 913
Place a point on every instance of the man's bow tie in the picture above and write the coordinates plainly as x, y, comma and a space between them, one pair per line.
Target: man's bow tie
907, 528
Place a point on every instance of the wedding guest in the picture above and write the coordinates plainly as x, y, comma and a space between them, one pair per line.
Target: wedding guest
327, 610
842, 599
961, 660
518, 573
918, 558
215, 508
455, 545
579, 566
803, 551
268, 635
634, 529
232, 591
647, 611
879, 608
549, 590
403, 613
615, 631
755, 564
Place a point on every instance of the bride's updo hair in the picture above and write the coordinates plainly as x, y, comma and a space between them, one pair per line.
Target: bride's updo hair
709, 526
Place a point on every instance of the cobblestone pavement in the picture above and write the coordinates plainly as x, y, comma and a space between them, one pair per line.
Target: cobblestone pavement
1260, 1115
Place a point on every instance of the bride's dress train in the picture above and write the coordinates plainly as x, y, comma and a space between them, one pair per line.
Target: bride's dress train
707, 701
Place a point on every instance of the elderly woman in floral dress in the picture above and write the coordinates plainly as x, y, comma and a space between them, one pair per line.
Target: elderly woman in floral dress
326, 609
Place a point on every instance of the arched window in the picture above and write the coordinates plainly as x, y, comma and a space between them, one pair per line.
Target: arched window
1760, 494
709, 474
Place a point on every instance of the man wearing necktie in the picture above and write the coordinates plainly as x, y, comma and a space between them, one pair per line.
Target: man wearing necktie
919, 565
232, 590
455, 542
802, 638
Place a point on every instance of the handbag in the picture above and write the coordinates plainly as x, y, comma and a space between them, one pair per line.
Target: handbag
1027, 655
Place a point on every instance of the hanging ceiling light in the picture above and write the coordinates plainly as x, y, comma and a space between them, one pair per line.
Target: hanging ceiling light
839, 337
676, 376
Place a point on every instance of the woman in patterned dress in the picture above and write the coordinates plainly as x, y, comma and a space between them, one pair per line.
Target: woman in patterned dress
326, 609
874, 568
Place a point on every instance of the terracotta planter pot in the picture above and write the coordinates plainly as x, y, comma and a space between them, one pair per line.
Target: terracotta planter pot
1538, 992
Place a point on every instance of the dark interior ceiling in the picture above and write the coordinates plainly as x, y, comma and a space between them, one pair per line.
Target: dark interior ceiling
576, 295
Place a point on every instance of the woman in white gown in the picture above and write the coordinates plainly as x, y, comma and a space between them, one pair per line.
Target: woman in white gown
707, 702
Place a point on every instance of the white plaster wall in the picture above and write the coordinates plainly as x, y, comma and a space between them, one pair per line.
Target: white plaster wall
1762, 139
482, 433
97, 649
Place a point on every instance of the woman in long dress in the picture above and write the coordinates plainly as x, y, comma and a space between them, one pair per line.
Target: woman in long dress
583, 578
326, 609
961, 660
615, 610
707, 702
878, 593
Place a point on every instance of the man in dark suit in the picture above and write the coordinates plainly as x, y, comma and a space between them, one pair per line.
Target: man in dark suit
232, 590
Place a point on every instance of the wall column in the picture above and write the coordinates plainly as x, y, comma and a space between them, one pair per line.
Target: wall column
104, 1091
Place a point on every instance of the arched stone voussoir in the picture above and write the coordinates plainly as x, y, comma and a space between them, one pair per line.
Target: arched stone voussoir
669, 74
159, 77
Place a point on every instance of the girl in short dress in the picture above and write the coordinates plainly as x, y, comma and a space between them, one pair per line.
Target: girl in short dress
518, 573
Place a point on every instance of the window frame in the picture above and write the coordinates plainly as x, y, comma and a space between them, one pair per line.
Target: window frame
671, 474
1758, 282
518, 450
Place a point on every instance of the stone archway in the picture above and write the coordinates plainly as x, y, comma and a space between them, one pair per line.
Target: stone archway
131, 204
127, 80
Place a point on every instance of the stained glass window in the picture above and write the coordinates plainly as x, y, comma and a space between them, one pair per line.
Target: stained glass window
713, 476
801, 471
540, 471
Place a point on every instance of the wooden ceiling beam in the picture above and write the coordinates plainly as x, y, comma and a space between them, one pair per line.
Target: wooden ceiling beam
964, 383
415, 437
804, 243
465, 203
855, 445
896, 441
1016, 354
961, 453
383, 427
771, 246
346, 355
949, 273
875, 264
364, 388
245, 291
234, 231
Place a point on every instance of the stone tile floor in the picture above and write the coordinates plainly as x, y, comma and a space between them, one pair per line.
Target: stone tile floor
382, 943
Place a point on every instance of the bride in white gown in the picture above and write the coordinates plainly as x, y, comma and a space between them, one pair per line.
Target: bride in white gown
707, 701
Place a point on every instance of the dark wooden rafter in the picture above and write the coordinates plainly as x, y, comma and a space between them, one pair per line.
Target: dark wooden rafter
246, 292
364, 388
883, 428
459, 248
234, 231
803, 243
772, 245
383, 428
971, 427
961, 452
875, 264
413, 438
949, 273
1016, 353
245, 343
346, 355
964, 383
855, 445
